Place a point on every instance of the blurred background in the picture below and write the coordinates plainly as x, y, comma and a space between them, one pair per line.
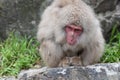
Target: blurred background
23, 16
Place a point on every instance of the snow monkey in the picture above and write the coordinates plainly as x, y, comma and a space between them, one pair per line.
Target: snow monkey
70, 34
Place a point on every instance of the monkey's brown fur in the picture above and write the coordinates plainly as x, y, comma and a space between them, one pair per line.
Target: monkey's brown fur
51, 34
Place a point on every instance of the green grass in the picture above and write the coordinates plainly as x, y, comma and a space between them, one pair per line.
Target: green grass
17, 53
112, 49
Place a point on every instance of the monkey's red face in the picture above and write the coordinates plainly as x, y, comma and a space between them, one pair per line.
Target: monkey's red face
73, 33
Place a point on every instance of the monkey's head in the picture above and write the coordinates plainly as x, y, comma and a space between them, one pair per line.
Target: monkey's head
68, 21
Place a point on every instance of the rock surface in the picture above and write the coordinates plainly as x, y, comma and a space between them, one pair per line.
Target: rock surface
8, 78
19, 15
23, 16
110, 71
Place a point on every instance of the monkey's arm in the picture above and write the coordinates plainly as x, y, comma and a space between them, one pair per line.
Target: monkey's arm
94, 51
51, 53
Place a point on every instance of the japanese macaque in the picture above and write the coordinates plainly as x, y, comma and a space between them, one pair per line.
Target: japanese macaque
70, 34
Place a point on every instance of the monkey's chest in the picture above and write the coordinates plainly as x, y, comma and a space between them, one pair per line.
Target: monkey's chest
70, 53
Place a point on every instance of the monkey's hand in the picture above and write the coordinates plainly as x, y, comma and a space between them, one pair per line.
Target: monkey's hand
70, 61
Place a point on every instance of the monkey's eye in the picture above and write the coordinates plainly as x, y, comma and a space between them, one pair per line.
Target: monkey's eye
68, 28
77, 30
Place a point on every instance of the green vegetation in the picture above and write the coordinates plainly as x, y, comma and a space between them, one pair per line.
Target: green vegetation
17, 53
112, 49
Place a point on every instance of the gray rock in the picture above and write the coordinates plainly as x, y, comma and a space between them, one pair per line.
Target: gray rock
19, 15
110, 71
102, 6
8, 78
109, 17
